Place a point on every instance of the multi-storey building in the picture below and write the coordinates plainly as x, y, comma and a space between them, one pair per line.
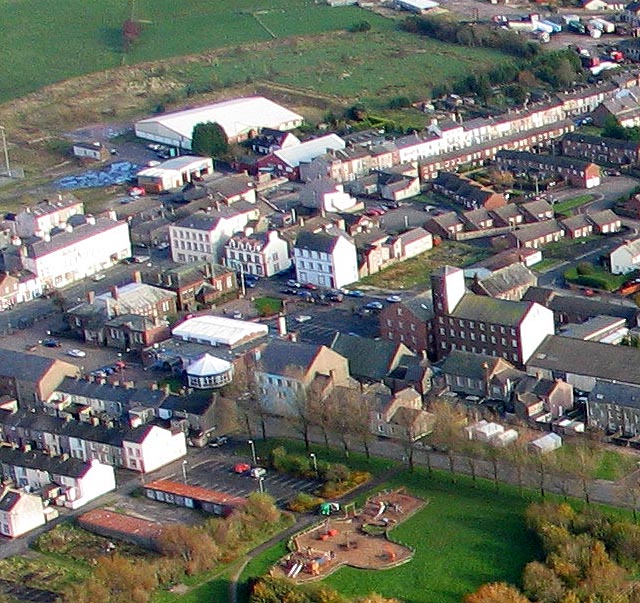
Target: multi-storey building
83, 248
201, 237
327, 258
261, 254
479, 324
42, 218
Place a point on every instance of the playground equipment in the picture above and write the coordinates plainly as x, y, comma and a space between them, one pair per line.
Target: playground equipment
327, 508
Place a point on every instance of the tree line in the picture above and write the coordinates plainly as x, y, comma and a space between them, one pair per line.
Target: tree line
590, 557
531, 66
184, 551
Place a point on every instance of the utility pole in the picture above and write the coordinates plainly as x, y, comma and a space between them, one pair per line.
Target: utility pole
6, 151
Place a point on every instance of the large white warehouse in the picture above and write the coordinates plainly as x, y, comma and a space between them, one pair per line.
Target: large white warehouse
238, 118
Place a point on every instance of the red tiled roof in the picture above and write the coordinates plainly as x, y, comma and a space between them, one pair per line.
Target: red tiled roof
196, 493
119, 522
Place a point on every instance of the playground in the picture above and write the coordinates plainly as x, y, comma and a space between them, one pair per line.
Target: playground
358, 538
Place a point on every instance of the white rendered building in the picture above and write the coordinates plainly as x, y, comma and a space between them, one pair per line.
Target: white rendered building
326, 259
262, 254
80, 250
201, 237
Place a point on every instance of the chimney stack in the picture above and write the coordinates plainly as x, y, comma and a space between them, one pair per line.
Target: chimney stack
114, 292
282, 325
91, 297
137, 276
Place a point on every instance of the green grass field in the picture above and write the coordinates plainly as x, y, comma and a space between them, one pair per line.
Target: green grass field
48, 42
464, 537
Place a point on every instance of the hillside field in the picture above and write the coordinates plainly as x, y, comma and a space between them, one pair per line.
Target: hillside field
46, 42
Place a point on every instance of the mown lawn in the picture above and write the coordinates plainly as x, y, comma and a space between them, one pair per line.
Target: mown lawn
464, 537
565, 207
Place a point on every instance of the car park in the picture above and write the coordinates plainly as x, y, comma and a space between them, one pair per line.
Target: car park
75, 353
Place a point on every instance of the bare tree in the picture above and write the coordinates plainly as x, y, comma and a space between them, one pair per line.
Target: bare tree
246, 390
448, 429
345, 414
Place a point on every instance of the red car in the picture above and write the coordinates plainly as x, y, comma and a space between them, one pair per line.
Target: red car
310, 286
241, 468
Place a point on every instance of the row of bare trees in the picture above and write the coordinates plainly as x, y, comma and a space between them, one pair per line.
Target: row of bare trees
345, 413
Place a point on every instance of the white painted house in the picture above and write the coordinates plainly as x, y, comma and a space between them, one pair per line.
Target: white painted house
261, 254
201, 237
625, 258
74, 482
20, 513
152, 447
86, 246
326, 258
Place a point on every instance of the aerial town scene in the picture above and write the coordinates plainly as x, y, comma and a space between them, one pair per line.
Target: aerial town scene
330, 301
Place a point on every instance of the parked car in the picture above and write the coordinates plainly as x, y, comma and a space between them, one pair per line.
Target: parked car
99, 277
51, 343
303, 318
353, 293
310, 286
373, 305
293, 283
241, 468
136, 191
219, 441
75, 353
394, 299
258, 472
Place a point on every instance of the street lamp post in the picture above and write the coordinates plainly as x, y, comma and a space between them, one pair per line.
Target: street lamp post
253, 451
184, 471
261, 485
315, 462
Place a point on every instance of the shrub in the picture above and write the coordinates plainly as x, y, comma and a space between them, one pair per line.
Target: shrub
360, 27
304, 503
585, 268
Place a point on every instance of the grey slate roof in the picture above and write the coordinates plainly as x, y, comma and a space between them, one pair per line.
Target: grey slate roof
9, 500
490, 310
40, 422
55, 465
95, 390
368, 358
323, 242
467, 364
581, 308
615, 393
563, 355
279, 356
507, 279
629, 145
24, 367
